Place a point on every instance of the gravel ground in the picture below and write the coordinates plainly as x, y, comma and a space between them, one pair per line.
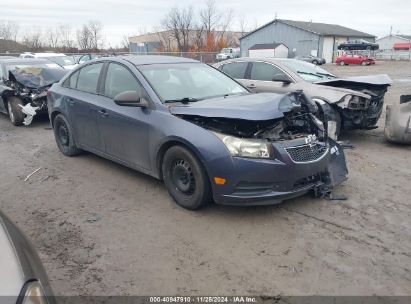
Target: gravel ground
103, 229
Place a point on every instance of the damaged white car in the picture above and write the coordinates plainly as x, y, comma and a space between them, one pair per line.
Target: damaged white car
23, 87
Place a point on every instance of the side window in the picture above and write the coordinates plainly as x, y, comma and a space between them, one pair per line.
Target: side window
73, 80
88, 78
1, 73
236, 69
119, 79
264, 71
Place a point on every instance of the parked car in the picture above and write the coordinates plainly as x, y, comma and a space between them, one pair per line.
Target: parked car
86, 57
201, 132
398, 121
347, 103
312, 59
228, 53
23, 278
354, 59
61, 59
359, 44
23, 87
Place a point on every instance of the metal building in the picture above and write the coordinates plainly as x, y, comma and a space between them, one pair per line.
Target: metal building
302, 38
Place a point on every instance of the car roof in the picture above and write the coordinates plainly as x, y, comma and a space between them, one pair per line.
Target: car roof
254, 59
152, 59
23, 60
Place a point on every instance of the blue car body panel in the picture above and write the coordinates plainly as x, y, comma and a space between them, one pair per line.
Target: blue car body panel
138, 137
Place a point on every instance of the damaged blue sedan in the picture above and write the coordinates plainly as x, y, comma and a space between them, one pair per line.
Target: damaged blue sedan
204, 134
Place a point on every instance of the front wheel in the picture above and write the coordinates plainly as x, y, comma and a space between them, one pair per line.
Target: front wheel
15, 112
64, 136
364, 63
185, 178
315, 62
342, 62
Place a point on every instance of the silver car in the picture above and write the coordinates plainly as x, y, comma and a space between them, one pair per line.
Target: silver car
23, 278
347, 103
398, 121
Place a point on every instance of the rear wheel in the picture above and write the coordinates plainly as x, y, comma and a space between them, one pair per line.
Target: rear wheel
185, 178
64, 136
315, 62
15, 113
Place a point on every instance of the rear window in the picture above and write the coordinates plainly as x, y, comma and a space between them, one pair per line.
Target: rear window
88, 78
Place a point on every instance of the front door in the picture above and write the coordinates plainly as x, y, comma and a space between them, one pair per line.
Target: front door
124, 129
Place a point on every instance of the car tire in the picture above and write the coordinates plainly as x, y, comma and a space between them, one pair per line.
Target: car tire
185, 178
368, 48
315, 62
342, 62
364, 63
64, 136
14, 110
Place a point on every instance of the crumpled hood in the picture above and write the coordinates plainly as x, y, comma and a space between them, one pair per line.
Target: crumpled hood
335, 89
263, 106
35, 77
379, 80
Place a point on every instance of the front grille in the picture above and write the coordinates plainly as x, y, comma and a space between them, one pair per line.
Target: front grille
307, 153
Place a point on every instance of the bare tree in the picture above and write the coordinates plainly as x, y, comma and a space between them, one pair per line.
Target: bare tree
125, 43
84, 37
180, 22
66, 38
209, 16
33, 39
242, 25
95, 29
52, 36
9, 30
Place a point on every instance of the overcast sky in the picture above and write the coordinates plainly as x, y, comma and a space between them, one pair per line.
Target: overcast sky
124, 17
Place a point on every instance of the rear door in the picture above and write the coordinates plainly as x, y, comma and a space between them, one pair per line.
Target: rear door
124, 129
261, 78
83, 103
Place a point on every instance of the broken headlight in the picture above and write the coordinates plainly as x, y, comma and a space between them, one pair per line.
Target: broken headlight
243, 147
355, 102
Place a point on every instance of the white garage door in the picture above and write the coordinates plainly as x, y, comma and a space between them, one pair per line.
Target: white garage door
328, 48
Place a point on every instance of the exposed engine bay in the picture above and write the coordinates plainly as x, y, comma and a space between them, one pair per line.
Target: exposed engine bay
30, 85
299, 121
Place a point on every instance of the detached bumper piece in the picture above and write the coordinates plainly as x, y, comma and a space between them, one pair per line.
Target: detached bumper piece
29, 111
398, 121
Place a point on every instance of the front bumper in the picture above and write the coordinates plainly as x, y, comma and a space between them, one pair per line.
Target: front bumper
265, 182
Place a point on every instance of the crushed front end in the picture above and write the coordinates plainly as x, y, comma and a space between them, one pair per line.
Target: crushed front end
30, 85
271, 161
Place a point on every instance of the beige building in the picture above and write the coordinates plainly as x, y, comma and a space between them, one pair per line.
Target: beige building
166, 41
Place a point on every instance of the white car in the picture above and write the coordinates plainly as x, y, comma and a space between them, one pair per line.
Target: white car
61, 59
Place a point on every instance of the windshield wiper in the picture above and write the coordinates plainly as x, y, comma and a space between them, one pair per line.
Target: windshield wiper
312, 74
184, 100
326, 74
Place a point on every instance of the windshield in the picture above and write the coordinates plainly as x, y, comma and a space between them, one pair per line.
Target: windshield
14, 66
62, 60
308, 71
189, 81
225, 51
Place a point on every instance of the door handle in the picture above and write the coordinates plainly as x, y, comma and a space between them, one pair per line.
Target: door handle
103, 113
251, 86
71, 102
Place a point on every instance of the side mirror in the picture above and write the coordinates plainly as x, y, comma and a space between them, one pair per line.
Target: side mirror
281, 78
130, 99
